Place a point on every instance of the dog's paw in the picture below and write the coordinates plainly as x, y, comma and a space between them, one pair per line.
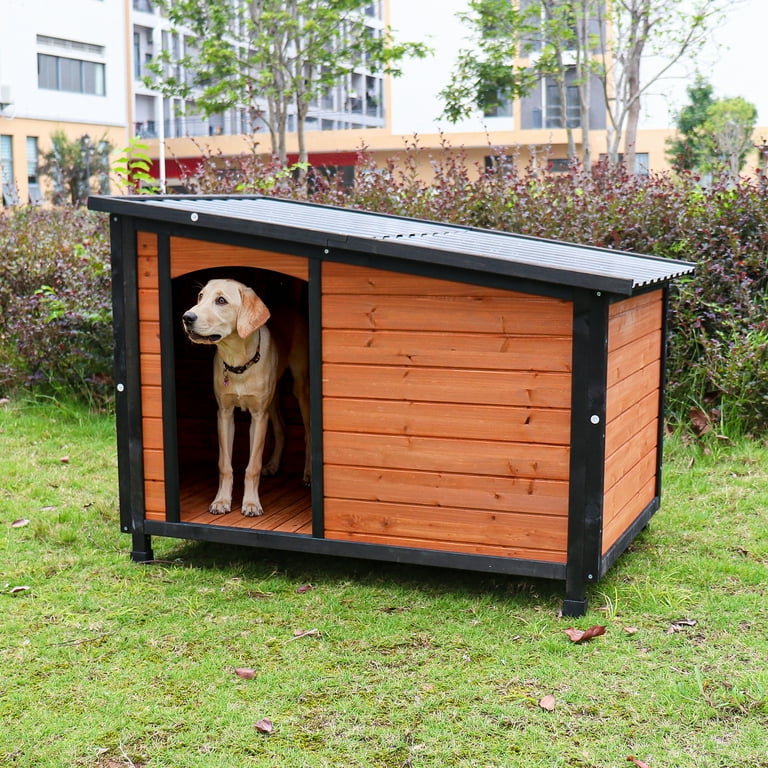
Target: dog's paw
252, 509
219, 507
307, 480
270, 468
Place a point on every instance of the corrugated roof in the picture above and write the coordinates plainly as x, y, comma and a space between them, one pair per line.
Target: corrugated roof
408, 239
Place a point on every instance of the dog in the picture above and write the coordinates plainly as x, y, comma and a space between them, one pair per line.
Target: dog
250, 358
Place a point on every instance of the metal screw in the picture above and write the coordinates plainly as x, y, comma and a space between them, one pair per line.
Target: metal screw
194, 217
120, 387
594, 418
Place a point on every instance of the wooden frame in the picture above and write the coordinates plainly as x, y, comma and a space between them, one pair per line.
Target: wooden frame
505, 419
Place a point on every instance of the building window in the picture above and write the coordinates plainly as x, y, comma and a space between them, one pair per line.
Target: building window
10, 195
56, 73
33, 171
555, 115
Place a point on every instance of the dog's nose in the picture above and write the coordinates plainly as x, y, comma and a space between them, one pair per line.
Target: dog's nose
189, 318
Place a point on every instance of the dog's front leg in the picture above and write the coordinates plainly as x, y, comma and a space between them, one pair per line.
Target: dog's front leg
226, 429
251, 503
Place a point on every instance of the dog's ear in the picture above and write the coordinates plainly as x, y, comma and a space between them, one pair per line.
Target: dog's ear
253, 313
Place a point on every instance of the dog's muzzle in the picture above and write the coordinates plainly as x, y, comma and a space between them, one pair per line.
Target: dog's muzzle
189, 319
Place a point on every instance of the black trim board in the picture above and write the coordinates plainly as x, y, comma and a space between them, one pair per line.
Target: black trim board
308, 544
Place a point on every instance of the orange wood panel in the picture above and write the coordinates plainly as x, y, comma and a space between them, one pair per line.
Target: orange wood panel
476, 422
624, 394
637, 317
447, 524
147, 275
525, 553
622, 461
347, 279
439, 489
544, 390
619, 522
631, 487
149, 337
455, 350
477, 457
149, 305
149, 368
152, 432
626, 424
154, 499
154, 469
626, 360
146, 244
529, 316
189, 255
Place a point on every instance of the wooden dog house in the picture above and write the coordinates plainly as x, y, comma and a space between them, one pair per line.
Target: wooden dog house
480, 400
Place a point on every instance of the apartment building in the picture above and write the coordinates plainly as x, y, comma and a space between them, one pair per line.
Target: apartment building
80, 67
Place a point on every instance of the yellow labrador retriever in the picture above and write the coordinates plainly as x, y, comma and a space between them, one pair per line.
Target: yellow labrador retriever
250, 359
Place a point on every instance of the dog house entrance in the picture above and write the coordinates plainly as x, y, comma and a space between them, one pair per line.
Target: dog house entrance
285, 498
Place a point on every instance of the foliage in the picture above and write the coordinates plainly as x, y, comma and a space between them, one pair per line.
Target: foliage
714, 135
274, 53
55, 301
132, 169
72, 164
687, 150
718, 319
174, 663
728, 127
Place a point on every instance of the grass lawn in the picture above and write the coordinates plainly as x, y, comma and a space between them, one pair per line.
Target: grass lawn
106, 663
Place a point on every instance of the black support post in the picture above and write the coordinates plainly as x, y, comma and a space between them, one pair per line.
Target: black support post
588, 398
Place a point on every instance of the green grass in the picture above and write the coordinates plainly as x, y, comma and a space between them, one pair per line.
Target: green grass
106, 663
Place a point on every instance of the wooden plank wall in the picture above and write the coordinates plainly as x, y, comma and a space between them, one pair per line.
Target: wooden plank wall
187, 256
632, 411
149, 356
446, 414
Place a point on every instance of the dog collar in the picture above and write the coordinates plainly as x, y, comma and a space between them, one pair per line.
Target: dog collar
243, 368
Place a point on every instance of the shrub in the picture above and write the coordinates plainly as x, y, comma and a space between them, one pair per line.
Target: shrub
54, 291
55, 300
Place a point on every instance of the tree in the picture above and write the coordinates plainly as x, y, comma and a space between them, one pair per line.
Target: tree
272, 57
687, 150
669, 31
72, 164
728, 129
629, 45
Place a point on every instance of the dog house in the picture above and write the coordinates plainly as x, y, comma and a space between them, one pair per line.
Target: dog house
479, 400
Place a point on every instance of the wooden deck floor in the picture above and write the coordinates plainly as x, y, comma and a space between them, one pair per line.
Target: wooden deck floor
286, 501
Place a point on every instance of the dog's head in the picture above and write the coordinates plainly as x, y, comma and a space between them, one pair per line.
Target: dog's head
224, 307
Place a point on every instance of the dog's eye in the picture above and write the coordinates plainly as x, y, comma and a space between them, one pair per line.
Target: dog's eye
221, 301
199, 297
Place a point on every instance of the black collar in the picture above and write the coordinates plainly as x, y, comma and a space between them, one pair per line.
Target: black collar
244, 368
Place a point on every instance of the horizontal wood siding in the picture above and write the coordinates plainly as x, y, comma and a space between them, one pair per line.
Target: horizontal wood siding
149, 364
632, 412
189, 255
446, 414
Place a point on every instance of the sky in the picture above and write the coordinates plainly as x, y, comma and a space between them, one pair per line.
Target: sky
732, 61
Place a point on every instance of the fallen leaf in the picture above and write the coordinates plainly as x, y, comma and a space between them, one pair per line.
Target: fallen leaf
638, 763
245, 673
20, 523
264, 726
304, 633
548, 702
64, 459
631, 630
17, 590
4, 401
681, 624
582, 635
303, 589
256, 595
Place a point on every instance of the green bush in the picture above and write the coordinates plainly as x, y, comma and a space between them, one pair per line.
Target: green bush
55, 282
55, 301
